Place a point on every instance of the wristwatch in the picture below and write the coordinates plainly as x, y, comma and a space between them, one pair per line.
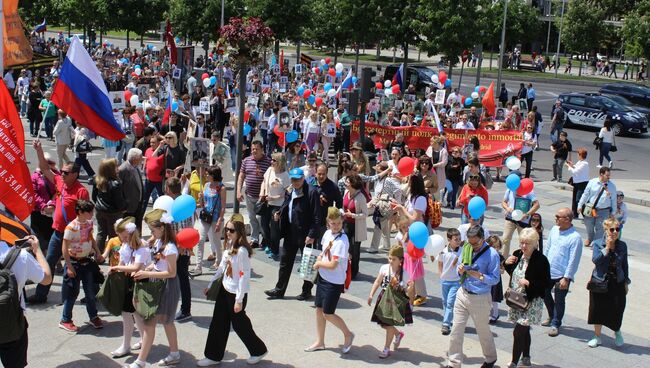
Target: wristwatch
481, 278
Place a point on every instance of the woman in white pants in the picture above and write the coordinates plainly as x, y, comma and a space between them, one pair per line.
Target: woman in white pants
328, 133
213, 198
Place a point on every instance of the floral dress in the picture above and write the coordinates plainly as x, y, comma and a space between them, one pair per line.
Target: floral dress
533, 315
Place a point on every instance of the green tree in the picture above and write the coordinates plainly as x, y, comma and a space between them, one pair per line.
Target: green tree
522, 23
582, 27
192, 18
287, 18
139, 16
636, 29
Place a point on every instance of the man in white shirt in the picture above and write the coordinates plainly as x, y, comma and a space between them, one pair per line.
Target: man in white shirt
191, 82
13, 353
452, 98
9, 80
429, 105
464, 123
22, 90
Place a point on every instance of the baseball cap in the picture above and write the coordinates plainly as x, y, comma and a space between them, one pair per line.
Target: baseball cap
296, 173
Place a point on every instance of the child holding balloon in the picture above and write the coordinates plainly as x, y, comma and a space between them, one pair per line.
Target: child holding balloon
392, 275
413, 263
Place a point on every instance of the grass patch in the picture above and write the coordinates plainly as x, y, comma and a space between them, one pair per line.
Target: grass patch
115, 34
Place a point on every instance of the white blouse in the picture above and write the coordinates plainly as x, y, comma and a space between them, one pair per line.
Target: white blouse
239, 282
580, 171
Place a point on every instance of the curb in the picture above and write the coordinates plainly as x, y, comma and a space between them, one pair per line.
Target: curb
630, 200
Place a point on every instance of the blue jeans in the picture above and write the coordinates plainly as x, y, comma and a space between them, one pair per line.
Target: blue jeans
604, 153
233, 158
49, 126
556, 129
449, 290
594, 225
53, 256
70, 290
121, 154
149, 188
555, 305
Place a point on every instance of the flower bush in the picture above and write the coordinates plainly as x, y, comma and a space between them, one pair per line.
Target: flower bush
246, 38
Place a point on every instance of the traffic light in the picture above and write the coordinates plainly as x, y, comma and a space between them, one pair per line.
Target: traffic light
206, 41
366, 84
353, 104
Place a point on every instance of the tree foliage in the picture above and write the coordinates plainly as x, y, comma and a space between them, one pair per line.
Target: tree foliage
582, 27
636, 31
192, 18
287, 18
522, 23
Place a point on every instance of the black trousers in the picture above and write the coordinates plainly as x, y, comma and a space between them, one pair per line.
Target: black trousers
292, 243
578, 189
182, 270
42, 226
355, 247
270, 229
14, 354
528, 157
223, 316
521, 342
105, 227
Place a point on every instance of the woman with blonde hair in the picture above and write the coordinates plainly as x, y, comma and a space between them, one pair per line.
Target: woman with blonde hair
607, 305
311, 130
274, 185
109, 200
328, 133
530, 274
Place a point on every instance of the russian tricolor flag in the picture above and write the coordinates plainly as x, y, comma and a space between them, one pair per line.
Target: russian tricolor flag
168, 108
397, 78
346, 83
81, 92
41, 27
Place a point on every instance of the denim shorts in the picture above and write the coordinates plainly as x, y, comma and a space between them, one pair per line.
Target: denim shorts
327, 295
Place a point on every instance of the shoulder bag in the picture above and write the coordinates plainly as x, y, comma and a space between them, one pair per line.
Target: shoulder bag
598, 286
613, 148
206, 216
113, 292
588, 209
391, 309
516, 299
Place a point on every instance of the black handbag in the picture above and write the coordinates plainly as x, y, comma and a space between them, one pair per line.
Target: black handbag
597, 142
517, 299
261, 207
598, 286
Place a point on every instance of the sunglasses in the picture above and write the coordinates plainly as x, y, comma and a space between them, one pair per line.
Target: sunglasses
274, 160
230, 230
614, 229
64, 173
169, 137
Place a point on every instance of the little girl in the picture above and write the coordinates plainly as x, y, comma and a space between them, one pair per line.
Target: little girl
113, 245
392, 274
497, 290
621, 212
413, 266
132, 257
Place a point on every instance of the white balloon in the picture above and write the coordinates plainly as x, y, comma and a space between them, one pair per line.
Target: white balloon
388, 92
138, 71
517, 215
434, 79
339, 67
435, 245
331, 93
164, 203
475, 95
441, 86
513, 163
134, 101
387, 83
322, 61
207, 82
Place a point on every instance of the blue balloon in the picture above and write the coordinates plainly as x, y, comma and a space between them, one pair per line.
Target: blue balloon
136, 66
291, 136
419, 234
311, 100
476, 207
354, 80
183, 207
477, 89
300, 91
174, 106
125, 61
325, 67
247, 129
338, 74
327, 86
468, 101
448, 83
512, 182
213, 80
448, 185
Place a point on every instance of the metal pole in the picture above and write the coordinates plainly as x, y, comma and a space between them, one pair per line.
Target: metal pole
480, 62
2, 42
222, 11
503, 42
559, 38
548, 35
243, 68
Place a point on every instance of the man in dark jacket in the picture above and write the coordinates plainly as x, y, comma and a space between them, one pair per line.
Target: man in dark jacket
324, 194
298, 227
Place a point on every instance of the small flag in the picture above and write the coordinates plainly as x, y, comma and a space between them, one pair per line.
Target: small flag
41, 27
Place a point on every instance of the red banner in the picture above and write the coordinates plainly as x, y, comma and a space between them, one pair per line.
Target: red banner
16, 190
496, 145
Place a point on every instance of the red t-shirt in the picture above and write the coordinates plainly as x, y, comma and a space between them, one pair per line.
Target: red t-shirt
154, 166
70, 197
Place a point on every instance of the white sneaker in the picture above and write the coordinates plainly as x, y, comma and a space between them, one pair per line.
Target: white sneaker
171, 359
599, 166
205, 362
256, 359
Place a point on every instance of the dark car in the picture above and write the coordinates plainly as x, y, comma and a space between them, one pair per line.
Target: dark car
639, 95
422, 74
591, 110
625, 102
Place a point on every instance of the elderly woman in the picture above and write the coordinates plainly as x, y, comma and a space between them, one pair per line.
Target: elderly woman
439, 157
274, 185
429, 176
530, 273
355, 211
606, 306
579, 177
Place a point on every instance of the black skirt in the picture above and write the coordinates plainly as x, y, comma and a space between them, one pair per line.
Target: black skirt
607, 308
497, 291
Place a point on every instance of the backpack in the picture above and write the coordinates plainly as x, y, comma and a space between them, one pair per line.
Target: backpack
433, 213
12, 323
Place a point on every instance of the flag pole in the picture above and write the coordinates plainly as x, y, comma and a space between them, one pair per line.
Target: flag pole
2, 39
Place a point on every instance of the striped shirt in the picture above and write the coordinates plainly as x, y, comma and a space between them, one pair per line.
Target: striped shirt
254, 174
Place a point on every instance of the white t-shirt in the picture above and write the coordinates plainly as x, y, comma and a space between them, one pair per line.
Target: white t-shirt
449, 259
129, 257
384, 272
463, 231
339, 251
239, 282
510, 197
330, 130
25, 268
393, 167
170, 249
606, 135
419, 204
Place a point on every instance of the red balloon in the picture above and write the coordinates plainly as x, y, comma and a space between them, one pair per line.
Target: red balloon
317, 70
331, 72
405, 166
281, 140
442, 76
187, 238
319, 101
338, 123
482, 89
277, 131
247, 115
413, 251
462, 100
327, 60
395, 88
127, 95
393, 83
307, 93
205, 76
379, 85
526, 186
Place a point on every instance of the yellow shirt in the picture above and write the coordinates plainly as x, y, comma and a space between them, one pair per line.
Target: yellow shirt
114, 244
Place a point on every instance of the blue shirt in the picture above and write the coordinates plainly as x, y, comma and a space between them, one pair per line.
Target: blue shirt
488, 264
563, 250
606, 200
531, 93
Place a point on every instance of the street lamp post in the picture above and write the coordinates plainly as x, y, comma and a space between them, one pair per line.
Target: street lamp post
559, 38
503, 43
243, 69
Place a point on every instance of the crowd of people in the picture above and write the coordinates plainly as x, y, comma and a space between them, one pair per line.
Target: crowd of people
295, 203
